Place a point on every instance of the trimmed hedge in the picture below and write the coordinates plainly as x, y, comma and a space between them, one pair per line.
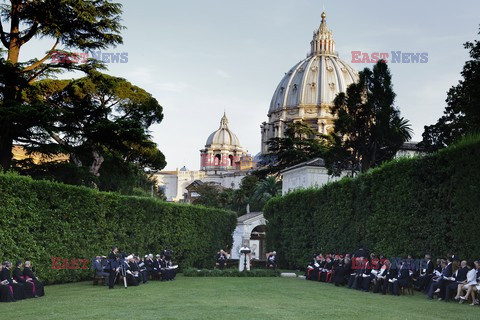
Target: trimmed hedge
407, 206
42, 219
192, 272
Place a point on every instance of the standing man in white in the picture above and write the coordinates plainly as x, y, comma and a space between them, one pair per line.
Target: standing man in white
244, 252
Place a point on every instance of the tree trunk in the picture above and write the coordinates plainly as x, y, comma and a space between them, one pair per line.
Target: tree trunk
97, 162
10, 89
14, 49
6, 145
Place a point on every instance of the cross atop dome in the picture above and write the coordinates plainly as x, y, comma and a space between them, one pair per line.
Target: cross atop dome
322, 42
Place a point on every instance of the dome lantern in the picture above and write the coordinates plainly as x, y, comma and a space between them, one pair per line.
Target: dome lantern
322, 42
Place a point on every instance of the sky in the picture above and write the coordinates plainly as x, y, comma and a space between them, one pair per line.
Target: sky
200, 59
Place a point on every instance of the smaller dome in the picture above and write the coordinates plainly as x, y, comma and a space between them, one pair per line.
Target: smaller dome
223, 136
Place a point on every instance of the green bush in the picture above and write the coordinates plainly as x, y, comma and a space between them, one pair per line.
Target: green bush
193, 272
407, 206
41, 220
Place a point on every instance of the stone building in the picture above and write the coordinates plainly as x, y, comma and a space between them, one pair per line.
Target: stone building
223, 162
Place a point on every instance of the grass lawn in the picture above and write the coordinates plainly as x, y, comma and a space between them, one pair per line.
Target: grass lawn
228, 298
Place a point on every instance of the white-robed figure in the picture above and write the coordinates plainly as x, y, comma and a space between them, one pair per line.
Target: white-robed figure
244, 251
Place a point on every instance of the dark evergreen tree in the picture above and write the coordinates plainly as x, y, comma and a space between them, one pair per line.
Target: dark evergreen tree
462, 114
71, 24
95, 118
368, 128
301, 143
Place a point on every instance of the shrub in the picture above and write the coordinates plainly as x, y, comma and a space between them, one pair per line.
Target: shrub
407, 206
193, 272
42, 219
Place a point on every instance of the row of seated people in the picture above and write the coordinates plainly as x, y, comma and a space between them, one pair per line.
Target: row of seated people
19, 283
450, 279
135, 269
451, 276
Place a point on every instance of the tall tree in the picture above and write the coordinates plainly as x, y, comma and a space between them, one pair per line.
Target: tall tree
368, 127
95, 117
73, 24
462, 113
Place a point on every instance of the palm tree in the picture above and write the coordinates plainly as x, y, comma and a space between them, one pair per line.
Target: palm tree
267, 189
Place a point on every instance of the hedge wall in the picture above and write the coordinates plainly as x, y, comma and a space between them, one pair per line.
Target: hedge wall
41, 220
409, 205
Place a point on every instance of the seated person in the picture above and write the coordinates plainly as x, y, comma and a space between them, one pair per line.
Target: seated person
157, 274
473, 289
355, 278
433, 287
426, 273
28, 286
402, 280
380, 282
460, 276
142, 269
99, 268
6, 278
326, 272
133, 276
221, 259
364, 282
471, 280
6, 291
168, 269
151, 267
318, 268
311, 267
339, 268
30, 276
272, 260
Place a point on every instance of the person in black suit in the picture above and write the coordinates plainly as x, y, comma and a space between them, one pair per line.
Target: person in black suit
426, 273
272, 260
140, 266
339, 268
6, 278
99, 268
356, 272
168, 273
134, 278
320, 263
221, 259
460, 276
149, 265
30, 276
364, 282
112, 266
6, 291
448, 277
439, 282
326, 272
28, 286
402, 280
311, 267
